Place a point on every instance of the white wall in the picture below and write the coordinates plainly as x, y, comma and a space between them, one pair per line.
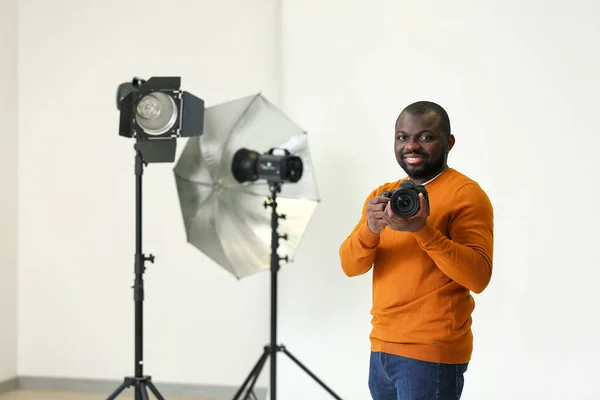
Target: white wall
8, 180
520, 81
76, 192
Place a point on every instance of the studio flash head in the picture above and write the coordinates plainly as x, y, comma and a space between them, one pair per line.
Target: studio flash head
277, 165
155, 112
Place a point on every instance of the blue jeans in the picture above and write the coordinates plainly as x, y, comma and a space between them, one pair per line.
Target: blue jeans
398, 378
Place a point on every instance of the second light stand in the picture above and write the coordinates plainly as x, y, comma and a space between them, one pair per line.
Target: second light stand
271, 350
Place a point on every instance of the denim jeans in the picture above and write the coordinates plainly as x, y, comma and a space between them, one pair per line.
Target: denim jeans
398, 378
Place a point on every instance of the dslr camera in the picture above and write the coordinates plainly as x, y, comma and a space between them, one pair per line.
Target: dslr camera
405, 200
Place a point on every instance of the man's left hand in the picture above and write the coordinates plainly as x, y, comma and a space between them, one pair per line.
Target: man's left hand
411, 224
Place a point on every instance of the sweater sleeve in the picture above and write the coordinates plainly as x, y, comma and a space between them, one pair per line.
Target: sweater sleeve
357, 252
466, 255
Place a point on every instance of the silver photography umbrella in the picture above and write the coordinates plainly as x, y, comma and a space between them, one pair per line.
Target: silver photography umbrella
227, 218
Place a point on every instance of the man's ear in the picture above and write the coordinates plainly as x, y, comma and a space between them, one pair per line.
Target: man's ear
450, 144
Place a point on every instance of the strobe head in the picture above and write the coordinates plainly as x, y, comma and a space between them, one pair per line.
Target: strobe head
156, 109
249, 165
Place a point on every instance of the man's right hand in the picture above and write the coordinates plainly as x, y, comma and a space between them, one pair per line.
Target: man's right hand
375, 209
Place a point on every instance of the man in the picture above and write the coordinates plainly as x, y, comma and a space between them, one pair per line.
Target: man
424, 267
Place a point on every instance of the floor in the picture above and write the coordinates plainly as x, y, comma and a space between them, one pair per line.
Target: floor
57, 395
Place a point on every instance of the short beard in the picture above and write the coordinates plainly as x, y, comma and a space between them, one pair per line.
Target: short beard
429, 169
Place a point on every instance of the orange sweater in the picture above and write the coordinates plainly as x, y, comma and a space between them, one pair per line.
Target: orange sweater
422, 303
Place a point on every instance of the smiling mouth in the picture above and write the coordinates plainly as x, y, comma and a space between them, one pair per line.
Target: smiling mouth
413, 159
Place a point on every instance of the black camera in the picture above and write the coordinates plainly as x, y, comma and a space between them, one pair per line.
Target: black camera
405, 201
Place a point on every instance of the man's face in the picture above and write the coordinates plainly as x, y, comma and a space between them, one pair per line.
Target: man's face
421, 146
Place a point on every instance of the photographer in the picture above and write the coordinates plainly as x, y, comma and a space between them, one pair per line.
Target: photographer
430, 245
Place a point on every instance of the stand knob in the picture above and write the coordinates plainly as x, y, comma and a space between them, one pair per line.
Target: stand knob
284, 236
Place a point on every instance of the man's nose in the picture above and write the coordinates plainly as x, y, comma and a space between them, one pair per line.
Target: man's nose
412, 144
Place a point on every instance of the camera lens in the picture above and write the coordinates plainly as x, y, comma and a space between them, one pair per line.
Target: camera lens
405, 203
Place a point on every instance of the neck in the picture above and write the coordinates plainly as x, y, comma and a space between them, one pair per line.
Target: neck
427, 179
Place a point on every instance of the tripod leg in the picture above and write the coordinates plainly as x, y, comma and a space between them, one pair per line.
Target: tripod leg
118, 391
312, 375
250, 393
253, 375
143, 391
155, 391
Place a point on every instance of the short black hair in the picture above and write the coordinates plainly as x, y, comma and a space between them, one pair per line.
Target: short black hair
426, 107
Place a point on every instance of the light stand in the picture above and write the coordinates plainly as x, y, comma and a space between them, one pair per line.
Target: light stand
273, 348
155, 112
139, 381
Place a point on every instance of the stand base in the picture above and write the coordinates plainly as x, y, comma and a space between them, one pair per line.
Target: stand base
255, 373
141, 386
